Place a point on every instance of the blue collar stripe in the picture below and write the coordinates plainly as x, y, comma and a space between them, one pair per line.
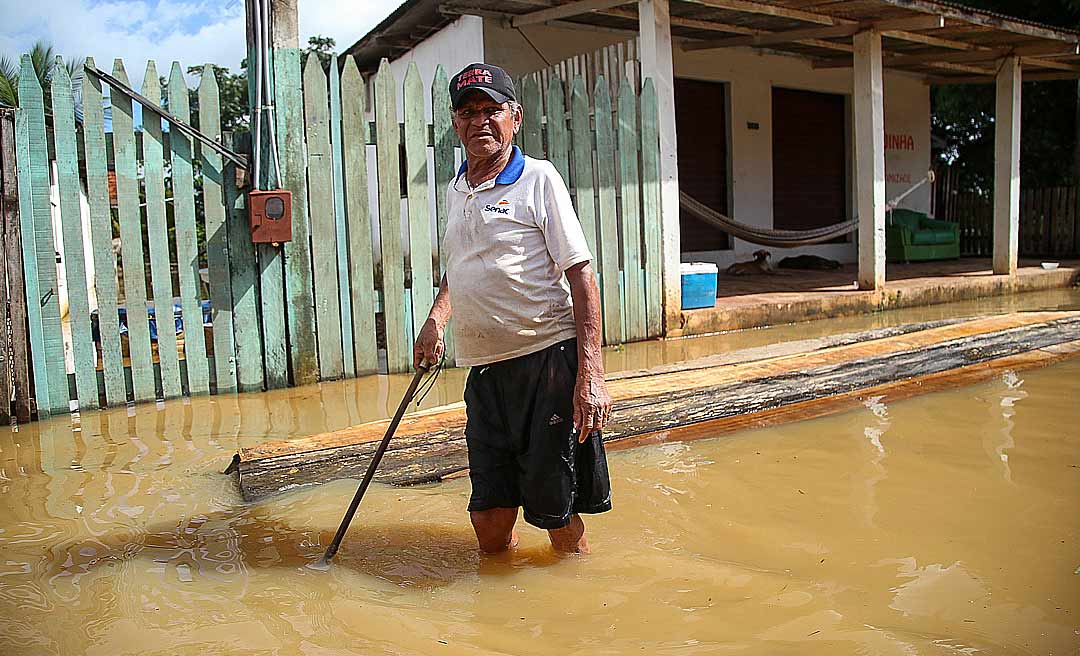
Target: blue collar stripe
508, 175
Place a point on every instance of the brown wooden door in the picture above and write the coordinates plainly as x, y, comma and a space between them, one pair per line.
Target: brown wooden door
809, 162
701, 129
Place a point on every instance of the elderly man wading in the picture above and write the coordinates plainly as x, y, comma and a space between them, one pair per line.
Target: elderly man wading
527, 320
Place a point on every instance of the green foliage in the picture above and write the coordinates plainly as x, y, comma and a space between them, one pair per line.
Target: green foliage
232, 97
963, 115
45, 61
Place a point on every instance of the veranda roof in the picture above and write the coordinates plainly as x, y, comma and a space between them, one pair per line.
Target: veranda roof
941, 41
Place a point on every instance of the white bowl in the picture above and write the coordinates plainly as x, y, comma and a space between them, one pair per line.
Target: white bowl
1049, 266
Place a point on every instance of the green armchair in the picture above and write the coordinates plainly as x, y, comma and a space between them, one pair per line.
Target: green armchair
911, 236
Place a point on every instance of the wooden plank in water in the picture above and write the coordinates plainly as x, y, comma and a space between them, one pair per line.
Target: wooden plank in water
132, 255
361, 265
697, 402
324, 249
101, 234
157, 229
187, 239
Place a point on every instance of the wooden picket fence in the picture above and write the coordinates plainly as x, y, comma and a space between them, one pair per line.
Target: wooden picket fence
1049, 218
346, 296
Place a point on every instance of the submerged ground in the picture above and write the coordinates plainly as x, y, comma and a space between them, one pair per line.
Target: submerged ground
948, 523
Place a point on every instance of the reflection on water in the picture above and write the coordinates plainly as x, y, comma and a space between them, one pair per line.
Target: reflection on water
941, 524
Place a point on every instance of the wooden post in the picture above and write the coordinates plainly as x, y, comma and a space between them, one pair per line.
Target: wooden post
9, 213
12, 253
289, 117
654, 28
1007, 167
870, 160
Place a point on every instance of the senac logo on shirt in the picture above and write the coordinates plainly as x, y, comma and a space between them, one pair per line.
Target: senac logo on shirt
502, 207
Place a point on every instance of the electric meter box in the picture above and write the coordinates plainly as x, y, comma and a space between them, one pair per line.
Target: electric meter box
270, 212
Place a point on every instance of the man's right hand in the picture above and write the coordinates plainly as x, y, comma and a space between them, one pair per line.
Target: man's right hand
429, 345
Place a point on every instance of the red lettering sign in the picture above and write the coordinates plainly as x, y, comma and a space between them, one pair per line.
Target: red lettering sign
899, 142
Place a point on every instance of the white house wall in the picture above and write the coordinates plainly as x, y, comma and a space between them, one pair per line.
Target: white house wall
751, 77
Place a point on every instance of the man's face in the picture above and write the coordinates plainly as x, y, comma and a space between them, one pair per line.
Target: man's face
484, 126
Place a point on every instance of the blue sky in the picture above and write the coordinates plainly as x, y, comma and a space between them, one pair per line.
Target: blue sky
194, 32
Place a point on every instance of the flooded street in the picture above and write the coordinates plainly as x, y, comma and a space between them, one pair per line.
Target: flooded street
943, 524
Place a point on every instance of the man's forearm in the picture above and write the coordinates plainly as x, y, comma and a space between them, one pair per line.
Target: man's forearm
440, 309
586, 297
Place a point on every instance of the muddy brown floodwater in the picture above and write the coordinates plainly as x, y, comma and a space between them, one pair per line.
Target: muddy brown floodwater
943, 524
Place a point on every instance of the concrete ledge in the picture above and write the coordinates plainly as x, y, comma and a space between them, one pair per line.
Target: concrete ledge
762, 300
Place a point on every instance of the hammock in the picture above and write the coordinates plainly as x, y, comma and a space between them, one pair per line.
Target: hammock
781, 238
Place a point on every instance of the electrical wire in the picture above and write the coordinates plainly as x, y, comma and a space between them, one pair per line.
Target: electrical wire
256, 24
271, 119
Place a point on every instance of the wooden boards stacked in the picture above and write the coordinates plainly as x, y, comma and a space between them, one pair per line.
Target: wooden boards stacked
704, 398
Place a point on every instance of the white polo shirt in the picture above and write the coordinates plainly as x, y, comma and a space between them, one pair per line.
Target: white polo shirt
508, 243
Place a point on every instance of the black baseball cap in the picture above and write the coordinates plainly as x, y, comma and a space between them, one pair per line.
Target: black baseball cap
490, 79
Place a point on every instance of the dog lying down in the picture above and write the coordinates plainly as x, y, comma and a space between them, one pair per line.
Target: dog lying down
761, 264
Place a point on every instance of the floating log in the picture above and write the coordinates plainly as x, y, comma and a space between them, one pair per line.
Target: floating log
702, 398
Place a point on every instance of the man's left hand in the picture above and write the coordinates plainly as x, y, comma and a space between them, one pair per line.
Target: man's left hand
592, 404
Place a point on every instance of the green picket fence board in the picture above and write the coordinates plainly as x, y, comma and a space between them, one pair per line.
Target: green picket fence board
270, 260
217, 238
608, 237
67, 178
271, 265
361, 266
187, 239
324, 249
650, 210
532, 138
243, 272
345, 298
300, 311
97, 196
630, 186
29, 251
444, 141
558, 142
157, 230
416, 185
581, 139
387, 134
131, 245
32, 100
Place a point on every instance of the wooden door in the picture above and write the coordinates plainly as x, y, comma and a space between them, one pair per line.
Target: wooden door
809, 159
701, 129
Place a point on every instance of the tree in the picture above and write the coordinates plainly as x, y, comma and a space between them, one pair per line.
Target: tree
45, 62
963, 115
322, 46
232, 97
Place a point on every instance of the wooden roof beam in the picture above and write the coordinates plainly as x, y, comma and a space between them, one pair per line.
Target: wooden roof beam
1027, 53
828, 32
565, 11
988, 78
985, 19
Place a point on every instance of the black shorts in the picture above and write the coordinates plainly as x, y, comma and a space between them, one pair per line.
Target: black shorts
522, 449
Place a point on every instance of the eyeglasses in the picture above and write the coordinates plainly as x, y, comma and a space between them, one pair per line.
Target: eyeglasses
469, 113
